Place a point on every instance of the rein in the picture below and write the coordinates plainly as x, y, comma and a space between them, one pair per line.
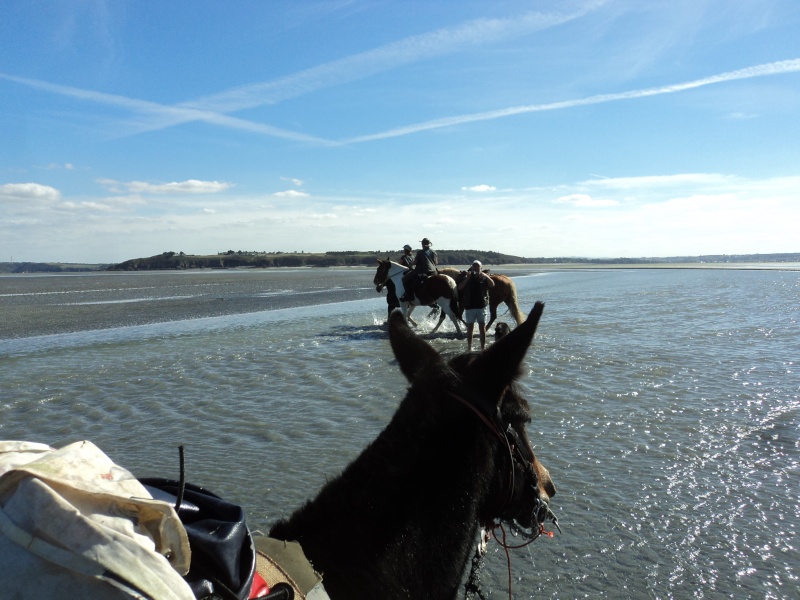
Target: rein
389, 276
515, 455
514, 451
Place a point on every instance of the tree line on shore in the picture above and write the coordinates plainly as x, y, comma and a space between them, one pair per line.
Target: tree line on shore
244, 259
241, 259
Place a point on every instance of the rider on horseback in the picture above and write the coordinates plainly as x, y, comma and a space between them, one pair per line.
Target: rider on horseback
406, 259
422, 267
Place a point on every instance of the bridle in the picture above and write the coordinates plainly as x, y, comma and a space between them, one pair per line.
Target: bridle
520, 457
379, 286
387, 277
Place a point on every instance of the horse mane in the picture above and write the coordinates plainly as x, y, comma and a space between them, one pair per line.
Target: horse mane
350, 526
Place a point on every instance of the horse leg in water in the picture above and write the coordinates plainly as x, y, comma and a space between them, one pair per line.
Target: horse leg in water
442, 317
407, 309
446, 311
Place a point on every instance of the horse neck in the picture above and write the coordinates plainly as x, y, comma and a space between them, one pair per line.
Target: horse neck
396, 270
410, 496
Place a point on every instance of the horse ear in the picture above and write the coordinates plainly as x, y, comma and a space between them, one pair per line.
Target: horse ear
500, 364
412, 352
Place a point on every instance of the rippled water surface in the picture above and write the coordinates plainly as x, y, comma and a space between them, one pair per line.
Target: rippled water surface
666, 405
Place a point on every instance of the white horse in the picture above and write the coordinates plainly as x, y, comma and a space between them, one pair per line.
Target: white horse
439, 289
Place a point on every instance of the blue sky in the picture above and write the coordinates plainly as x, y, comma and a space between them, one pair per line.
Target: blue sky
550, 128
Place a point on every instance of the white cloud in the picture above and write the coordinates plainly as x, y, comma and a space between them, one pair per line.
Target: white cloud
480, 188
738, 215
660, 181
29, 191
291, 194
94, 206
190, 186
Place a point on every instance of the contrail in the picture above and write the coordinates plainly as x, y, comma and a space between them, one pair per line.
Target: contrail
181, 114
366, 64
775, 68
383, 58
212, 109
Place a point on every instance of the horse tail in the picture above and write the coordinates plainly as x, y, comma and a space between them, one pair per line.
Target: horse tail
513, 302
454, 305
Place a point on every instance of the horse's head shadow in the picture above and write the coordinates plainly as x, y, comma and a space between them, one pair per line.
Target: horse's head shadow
355, 332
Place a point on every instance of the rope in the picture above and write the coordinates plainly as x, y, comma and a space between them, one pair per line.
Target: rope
473, 585
182, 484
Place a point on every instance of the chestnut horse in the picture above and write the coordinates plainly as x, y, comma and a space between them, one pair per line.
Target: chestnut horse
504, 290
439, 289
401, 521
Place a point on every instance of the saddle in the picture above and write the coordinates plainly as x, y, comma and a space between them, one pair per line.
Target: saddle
413, 283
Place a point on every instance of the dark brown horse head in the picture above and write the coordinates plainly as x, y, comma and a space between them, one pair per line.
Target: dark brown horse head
401, 520
382, 274
485, 384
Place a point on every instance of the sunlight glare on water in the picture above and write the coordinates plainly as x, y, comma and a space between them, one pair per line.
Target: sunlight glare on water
666, 407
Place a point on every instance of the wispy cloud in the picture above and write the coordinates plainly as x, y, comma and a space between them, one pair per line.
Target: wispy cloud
763, 70
480, 188
190, 186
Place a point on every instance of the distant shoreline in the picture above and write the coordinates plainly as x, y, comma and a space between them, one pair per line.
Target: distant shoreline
178, 261
64, 268
743, 266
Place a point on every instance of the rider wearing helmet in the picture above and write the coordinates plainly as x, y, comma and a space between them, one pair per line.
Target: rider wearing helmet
406, 259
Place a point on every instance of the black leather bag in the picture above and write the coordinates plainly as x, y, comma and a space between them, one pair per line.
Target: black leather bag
223, 555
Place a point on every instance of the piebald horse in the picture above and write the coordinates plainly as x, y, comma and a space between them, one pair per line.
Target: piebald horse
402, 520
439, 289
504, 290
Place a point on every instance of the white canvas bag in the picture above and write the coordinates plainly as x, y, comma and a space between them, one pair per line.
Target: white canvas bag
73, 524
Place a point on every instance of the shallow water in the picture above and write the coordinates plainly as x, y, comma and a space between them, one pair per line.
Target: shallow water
666, 406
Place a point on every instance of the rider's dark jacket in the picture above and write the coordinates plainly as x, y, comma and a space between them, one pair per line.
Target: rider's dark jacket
425, 262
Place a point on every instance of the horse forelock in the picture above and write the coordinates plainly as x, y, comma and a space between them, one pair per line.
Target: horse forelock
382, 272
435, 380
